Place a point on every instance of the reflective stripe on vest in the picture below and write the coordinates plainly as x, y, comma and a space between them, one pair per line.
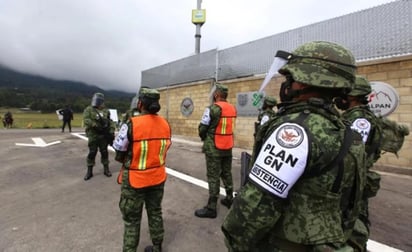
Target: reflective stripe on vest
224, 130
151, 139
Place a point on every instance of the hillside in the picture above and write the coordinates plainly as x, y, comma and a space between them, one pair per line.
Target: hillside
18, 90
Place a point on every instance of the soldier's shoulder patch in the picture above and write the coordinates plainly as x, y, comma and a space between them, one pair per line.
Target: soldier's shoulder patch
361, 123
289, 135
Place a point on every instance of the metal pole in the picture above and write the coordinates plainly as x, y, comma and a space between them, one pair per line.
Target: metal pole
197, 35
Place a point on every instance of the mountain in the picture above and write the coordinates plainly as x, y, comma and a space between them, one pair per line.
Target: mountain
39, 93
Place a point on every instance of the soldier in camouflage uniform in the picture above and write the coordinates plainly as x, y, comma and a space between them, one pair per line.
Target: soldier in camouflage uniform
364, 121
100, 132
307, 162
216, 132
141, 146
267, 111
132, 111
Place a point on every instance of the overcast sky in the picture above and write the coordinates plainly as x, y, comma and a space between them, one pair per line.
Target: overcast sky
108, 43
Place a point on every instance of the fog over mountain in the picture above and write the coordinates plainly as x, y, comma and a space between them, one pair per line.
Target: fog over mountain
108, 43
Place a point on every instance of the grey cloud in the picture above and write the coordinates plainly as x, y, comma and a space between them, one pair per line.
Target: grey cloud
108, 43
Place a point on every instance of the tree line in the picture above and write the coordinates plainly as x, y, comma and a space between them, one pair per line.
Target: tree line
18, 90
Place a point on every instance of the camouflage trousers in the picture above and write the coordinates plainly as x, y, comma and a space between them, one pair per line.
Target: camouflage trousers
218, 168
97, 143
131, 206
360, 233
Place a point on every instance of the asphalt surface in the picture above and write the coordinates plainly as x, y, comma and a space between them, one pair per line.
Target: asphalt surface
47, 206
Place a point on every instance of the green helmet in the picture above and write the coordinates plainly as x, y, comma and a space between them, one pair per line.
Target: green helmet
270, 101
149, 98
149, 93
221, 88
362, 87
322, 64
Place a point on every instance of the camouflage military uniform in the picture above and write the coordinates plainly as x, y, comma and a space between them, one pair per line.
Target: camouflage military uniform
218, 162
252, 224
133, 199
263, 117
366, 123
308, 174
129, 114
216, 132
266, 113
131, 205
98, 127
372, 137
360, 234
269, 112
133, 111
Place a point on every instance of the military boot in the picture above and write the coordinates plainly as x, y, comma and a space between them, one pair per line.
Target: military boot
227, 202
208, 211
89, 173
107, 171
153, 248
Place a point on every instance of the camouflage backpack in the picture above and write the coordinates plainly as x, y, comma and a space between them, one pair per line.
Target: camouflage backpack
393, 135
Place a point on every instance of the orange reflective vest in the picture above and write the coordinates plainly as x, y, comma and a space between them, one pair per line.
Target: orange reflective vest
224, 131
151, 136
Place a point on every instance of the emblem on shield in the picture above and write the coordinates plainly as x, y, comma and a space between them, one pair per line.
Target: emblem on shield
186, 107
242, 99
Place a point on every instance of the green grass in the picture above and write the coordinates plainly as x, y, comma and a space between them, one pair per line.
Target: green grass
36, 120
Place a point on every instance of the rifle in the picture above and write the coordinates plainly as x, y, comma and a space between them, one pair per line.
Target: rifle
104, 128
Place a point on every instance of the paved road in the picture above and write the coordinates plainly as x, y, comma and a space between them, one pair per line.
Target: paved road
47, 206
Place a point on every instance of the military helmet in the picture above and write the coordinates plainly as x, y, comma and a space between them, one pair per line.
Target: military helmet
97, 100
222, 88
322, 64
270, 101
141, 90
362, 87
149, 99
149, 93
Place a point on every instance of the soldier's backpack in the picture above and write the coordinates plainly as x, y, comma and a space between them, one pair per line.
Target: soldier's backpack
393, 135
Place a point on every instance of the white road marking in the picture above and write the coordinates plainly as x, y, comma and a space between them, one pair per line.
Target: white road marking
379, 247
192, 180
38, 142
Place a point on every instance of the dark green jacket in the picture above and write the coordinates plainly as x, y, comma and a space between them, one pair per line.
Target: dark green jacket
373, 139
129, 114
269, 113
97, 122
313, 213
